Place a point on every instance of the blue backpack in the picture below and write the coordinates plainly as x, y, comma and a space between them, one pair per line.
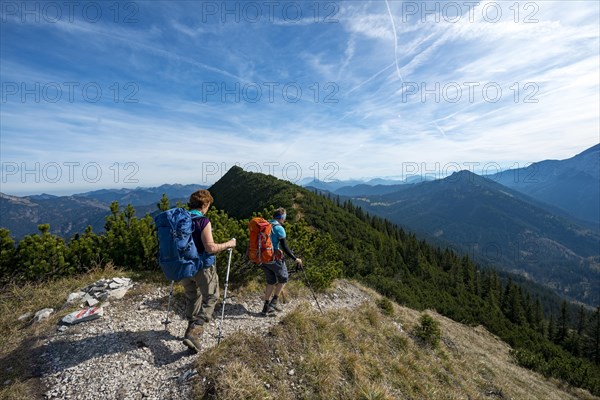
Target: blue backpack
177, 253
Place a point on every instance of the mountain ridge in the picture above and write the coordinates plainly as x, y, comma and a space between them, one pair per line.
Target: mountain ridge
68, 215
571, 184
500, 226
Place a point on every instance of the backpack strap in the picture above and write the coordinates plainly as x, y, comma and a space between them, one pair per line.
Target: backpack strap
277, 254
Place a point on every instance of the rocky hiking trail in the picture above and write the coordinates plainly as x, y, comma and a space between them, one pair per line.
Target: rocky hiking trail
128, 354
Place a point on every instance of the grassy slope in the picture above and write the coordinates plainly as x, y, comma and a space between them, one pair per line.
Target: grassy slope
365, 354
339, 355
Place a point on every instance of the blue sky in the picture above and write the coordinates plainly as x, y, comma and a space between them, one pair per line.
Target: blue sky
104, 94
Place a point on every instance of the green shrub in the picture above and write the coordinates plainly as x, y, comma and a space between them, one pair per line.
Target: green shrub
386, 306
428, 330
7, 255
43, 256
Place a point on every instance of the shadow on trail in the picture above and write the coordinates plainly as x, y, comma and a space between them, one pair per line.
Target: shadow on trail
66, 353
235, 311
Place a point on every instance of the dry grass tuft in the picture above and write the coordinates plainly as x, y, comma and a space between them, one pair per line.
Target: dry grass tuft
240, 383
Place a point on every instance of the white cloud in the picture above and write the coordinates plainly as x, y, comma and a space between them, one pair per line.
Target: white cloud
371, 131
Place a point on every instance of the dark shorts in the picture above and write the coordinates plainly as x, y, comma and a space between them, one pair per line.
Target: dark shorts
275, 272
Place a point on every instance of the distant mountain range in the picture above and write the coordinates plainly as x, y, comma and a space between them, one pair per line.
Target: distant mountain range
572, 184
356, 187
498, 226
68, 215
141, 196
545, 229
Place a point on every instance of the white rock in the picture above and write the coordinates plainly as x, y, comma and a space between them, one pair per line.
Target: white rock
118, 293
87, 297
43, 314
74, 296
92, 302
25, 316
291, 372
114, 285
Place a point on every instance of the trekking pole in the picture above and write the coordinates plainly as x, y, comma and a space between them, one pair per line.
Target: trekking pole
311, 289
224, 297
166, 322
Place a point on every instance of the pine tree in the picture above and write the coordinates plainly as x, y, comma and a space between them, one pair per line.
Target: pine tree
86, 251
130, 242
505, 298
43, 256
581, 321
492, 289
513, 303
7, 255
551, 328
164, 204
129, 214
478, 284
577, 340
468, 274
563, 323
143, 244
538, 313
117, 237
595, 336
529, 311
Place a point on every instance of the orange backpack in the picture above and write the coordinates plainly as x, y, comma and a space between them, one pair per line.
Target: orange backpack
260, 249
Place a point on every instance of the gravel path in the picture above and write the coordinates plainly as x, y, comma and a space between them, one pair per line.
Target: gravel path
127, 354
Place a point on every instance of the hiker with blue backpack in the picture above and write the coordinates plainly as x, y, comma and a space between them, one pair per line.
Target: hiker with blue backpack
276, 272
202, 289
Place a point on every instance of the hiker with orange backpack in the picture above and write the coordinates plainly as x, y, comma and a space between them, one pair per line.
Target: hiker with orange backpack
202, 289
276, 271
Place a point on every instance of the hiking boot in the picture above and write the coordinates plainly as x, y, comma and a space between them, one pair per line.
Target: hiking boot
193, 336
274, 306
265, 309
269, 309
205, 317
